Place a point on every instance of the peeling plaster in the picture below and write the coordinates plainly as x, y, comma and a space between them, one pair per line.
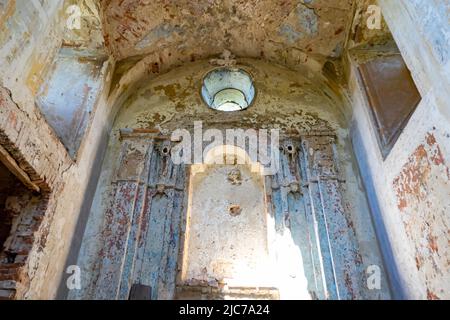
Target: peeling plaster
204, 28
172, 101
423, 192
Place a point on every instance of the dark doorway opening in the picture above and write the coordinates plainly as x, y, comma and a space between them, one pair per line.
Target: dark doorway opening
15, 199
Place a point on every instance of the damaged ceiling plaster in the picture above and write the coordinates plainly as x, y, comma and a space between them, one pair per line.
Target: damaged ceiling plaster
288, 32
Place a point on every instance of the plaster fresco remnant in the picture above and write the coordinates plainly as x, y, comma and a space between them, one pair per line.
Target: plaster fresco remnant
306, 202
67, 99
141, 231
423, 180
86, 111
310, 109
32, 34
196, 29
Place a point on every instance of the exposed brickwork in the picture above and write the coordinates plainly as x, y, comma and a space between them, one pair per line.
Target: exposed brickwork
35, 148
32, 143
15, 257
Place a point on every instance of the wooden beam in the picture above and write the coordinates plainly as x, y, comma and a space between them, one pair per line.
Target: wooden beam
12, 166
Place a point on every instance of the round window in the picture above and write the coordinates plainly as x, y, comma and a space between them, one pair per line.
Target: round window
228, 89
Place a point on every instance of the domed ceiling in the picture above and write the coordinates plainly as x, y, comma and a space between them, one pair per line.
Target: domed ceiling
284, 31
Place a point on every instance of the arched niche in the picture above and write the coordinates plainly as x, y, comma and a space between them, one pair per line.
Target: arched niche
226, 231
301, 105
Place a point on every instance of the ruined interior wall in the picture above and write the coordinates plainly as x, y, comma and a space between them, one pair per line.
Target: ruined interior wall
31, 34
285, 99
409, 191
291, 33
232, 243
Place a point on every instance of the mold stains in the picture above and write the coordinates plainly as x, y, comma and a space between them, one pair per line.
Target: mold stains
361, 34
7, 10
423, 198
180, 107
175, 93
34, 79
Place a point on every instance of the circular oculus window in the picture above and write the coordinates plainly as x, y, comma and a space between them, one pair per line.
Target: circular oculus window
228, 89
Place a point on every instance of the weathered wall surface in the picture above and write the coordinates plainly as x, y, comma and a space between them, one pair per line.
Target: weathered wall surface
285, 99
423, 197
409, 191
423, 36
232, 242
43, 160
289, 33
69, 96
30, 36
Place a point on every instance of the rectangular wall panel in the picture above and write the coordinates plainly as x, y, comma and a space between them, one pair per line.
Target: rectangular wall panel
142, 226
307, 201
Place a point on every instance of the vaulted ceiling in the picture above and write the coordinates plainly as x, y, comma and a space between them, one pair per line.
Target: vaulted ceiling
284, 31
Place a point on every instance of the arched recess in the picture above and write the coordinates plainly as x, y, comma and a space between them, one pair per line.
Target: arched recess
132, 74
305, 110
226, 239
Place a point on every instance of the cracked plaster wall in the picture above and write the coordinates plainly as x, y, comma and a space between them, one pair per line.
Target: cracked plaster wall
172, 101
31, 33
409, 191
